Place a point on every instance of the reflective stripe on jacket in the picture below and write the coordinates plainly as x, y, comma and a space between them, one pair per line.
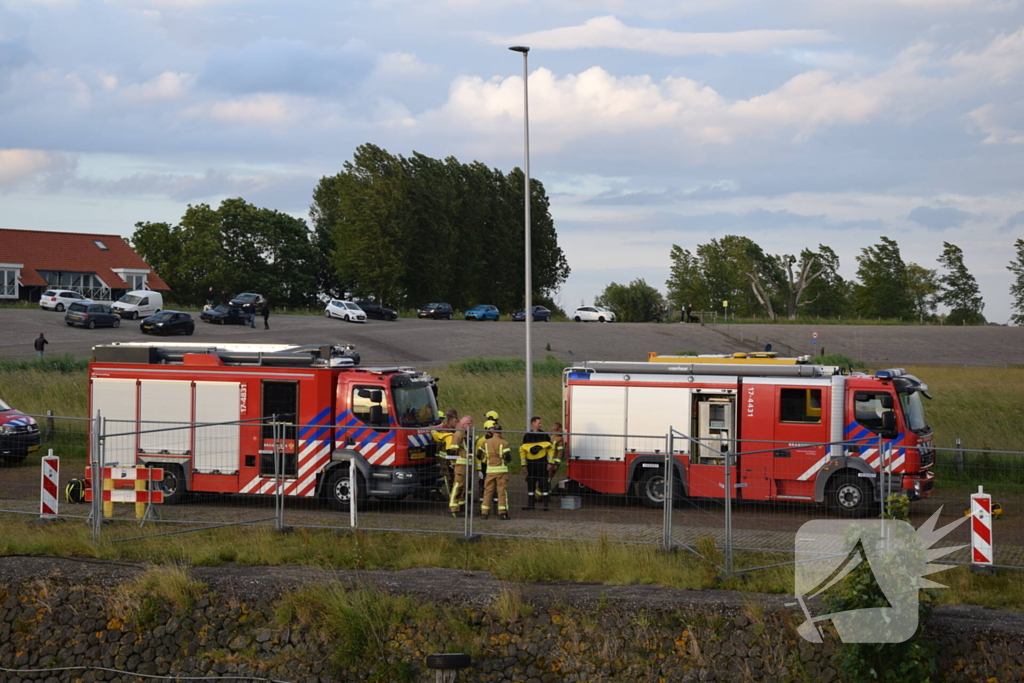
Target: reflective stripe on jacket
496, 453
537, 450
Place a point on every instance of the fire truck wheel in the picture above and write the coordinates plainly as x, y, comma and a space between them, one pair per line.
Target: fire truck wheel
652, 488
339, 490
849, 496
173, 484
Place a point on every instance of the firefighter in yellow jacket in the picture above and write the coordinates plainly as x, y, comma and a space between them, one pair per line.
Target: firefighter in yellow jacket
442, 437
457, 448
496, 455
536, 454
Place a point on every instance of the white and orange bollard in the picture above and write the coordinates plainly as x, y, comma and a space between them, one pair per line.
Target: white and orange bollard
981, 532
49, 485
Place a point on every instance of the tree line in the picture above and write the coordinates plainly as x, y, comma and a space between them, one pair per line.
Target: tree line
757, 284
403, 231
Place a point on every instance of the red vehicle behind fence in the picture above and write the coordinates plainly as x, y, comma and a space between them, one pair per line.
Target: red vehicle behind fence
206, 417
796, 431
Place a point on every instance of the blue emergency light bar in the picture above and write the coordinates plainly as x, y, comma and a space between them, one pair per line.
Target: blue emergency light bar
890, 373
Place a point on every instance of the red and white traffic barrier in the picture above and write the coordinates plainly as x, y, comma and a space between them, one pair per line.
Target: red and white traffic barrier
49, 485
140, 476
981, 529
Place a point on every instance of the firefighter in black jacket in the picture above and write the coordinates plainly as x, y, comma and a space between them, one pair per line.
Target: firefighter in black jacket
536, 453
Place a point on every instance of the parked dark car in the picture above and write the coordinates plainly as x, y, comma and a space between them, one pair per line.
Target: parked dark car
19, 434
377, 311
168, 322
539, 314
92, 316
223, 314
248, 302
436, 311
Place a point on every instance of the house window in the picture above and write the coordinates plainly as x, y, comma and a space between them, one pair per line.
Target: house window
136, 281
87, 284
100, 245
8, 284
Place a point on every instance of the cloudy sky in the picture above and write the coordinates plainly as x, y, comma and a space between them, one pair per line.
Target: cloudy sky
655, 122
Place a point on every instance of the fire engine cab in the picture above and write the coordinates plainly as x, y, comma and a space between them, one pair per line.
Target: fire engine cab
796, 432
231, 418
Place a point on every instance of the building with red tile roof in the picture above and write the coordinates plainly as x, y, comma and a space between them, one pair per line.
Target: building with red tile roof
101, 267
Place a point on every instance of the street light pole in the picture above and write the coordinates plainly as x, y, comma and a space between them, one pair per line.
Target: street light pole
528, 310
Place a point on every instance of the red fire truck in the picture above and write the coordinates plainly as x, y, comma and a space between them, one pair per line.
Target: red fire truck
206, 415
796, 431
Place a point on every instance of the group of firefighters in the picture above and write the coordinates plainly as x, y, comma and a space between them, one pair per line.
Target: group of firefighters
540, 455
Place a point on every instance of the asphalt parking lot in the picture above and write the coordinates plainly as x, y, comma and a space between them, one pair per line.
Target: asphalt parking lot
430, 342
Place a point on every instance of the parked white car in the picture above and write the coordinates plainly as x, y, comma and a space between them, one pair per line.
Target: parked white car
139, 304
59, 299
345, 310
585, 314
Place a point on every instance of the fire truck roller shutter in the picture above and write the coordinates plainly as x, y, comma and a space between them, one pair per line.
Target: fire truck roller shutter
117, 401
217, 447
600, 434
651, 412
165, 404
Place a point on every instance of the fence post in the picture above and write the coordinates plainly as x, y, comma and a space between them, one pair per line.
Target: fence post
728, 510
353, 487
667, 545
49, 424
97, 477
470, 494
959, 457
278, 467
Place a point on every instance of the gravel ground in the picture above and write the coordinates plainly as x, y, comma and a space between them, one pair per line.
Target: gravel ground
432, 342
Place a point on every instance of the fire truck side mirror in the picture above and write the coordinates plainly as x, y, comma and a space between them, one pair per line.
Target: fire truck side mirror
888, 424
377, 416
886, 401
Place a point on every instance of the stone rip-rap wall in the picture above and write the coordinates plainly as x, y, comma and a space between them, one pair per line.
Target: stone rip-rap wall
51, 623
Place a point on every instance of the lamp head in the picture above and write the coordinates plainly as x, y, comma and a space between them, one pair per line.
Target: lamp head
520, 48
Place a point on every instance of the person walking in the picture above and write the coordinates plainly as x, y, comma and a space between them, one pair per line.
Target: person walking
689, 313
265, 312
211, 297
223, 297
536, 454
40, 344
497, 456
457, 499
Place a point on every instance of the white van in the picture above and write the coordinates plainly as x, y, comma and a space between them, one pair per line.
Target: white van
139, 304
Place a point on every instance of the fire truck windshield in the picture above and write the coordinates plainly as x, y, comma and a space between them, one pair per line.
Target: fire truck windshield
415, 405
913, 411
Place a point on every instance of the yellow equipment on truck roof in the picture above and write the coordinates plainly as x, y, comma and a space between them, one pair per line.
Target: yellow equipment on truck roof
753, 358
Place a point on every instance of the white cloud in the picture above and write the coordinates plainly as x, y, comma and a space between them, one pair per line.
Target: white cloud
1000, 61
987, 120
167, 86
597, 102
260, 109
18, 166
609, 32
400, 65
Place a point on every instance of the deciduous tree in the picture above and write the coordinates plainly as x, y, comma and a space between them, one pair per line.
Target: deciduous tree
1017, 288
958, 289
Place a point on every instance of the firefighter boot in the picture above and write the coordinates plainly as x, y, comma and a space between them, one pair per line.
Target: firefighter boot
529, 502
504, 515
545, 496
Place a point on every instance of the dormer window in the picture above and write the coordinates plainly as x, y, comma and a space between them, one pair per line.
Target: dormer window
100, 245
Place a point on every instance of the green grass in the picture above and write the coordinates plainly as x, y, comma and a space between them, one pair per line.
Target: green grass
513, 560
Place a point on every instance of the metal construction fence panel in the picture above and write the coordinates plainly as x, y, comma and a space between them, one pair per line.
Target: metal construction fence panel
570, 487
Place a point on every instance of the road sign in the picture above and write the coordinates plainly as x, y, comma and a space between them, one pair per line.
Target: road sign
725, 304
814, 335
814, 341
